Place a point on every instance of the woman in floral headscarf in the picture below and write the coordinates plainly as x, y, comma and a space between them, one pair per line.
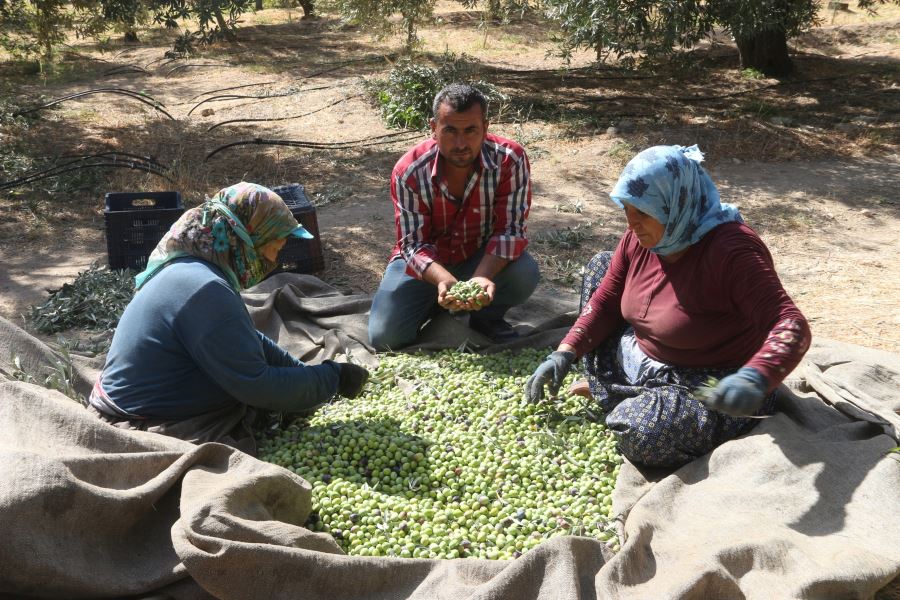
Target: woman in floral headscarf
689, 293
185, 359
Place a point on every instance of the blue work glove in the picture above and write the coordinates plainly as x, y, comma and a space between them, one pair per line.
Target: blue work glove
740, 394
551, 373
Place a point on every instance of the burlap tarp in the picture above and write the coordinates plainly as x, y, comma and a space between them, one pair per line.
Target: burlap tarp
807, 505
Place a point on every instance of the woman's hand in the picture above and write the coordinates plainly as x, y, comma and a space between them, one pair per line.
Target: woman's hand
352, 379
551, 373
740, 394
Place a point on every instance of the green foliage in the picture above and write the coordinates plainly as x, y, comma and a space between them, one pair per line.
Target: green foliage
502, 10
639, 30
60, 376
562, 271
569, 238
14, 162
375, 15
745, 19
30, 29
94, 300
99, 16
185, 44
752, 73
217, 19
406, 95
624, 28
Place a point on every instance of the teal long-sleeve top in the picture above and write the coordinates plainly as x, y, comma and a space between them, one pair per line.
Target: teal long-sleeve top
186, 345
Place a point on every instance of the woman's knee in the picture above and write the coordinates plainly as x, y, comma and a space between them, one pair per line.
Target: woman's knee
651, 434
594, 271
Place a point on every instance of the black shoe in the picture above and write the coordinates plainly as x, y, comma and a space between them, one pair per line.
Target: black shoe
497, 330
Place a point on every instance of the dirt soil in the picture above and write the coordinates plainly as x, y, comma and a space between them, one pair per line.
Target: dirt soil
811, 160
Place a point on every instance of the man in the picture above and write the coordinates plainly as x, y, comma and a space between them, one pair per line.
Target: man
461, 199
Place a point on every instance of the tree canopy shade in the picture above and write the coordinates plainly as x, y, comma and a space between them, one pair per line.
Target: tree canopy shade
31, 28
652, 28
376, 14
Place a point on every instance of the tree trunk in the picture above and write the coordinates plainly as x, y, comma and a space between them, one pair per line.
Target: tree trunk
308, 7
410, 32
765, 51
259, 4
223, 26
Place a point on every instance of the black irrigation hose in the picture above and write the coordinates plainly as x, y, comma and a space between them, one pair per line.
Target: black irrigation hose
120, 165
152, 102
179, 67
321, 108
168, 62
114, 153
310, 76
81, 159
235, 87
261, 97
371, 141
125, 69
161, 58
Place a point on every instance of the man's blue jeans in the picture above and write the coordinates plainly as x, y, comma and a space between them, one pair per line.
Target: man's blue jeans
403, 303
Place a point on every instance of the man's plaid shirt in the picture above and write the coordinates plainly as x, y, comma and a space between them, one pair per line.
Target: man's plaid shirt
432, 225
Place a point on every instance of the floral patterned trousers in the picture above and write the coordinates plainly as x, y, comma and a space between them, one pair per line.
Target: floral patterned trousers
656, 420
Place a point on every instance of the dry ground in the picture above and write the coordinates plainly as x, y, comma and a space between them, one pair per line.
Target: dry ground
811, 160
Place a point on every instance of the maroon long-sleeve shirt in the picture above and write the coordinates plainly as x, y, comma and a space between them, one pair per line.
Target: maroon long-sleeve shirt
720, 305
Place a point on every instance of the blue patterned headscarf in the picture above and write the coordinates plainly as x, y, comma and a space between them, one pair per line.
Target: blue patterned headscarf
668, 183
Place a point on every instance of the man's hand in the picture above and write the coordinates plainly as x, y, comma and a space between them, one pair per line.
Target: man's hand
487, 296
352, 379
740, 394
471, 295
444, 299
551, 373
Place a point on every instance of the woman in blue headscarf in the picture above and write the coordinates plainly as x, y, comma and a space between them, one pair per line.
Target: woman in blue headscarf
689, 294
185, 359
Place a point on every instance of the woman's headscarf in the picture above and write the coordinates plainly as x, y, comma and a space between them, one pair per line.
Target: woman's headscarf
668, 183
228, 230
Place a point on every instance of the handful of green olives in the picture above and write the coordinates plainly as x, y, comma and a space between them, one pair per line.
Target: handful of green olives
466, 291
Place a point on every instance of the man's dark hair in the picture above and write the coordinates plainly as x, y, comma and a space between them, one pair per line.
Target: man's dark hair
460, 97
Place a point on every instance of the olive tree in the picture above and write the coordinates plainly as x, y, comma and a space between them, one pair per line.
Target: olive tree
30, 29
502, 10
217, 19
651, 28
624, 28
376, 14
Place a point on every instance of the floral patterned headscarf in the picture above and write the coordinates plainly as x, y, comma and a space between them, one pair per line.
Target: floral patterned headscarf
228, 230
668, 183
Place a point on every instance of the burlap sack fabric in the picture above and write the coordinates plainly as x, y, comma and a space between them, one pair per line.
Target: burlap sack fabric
805, 506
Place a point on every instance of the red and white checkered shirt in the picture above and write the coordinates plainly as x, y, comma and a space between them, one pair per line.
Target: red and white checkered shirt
433, 226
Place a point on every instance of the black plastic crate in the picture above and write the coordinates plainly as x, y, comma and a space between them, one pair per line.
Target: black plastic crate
298, 255
135, 222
